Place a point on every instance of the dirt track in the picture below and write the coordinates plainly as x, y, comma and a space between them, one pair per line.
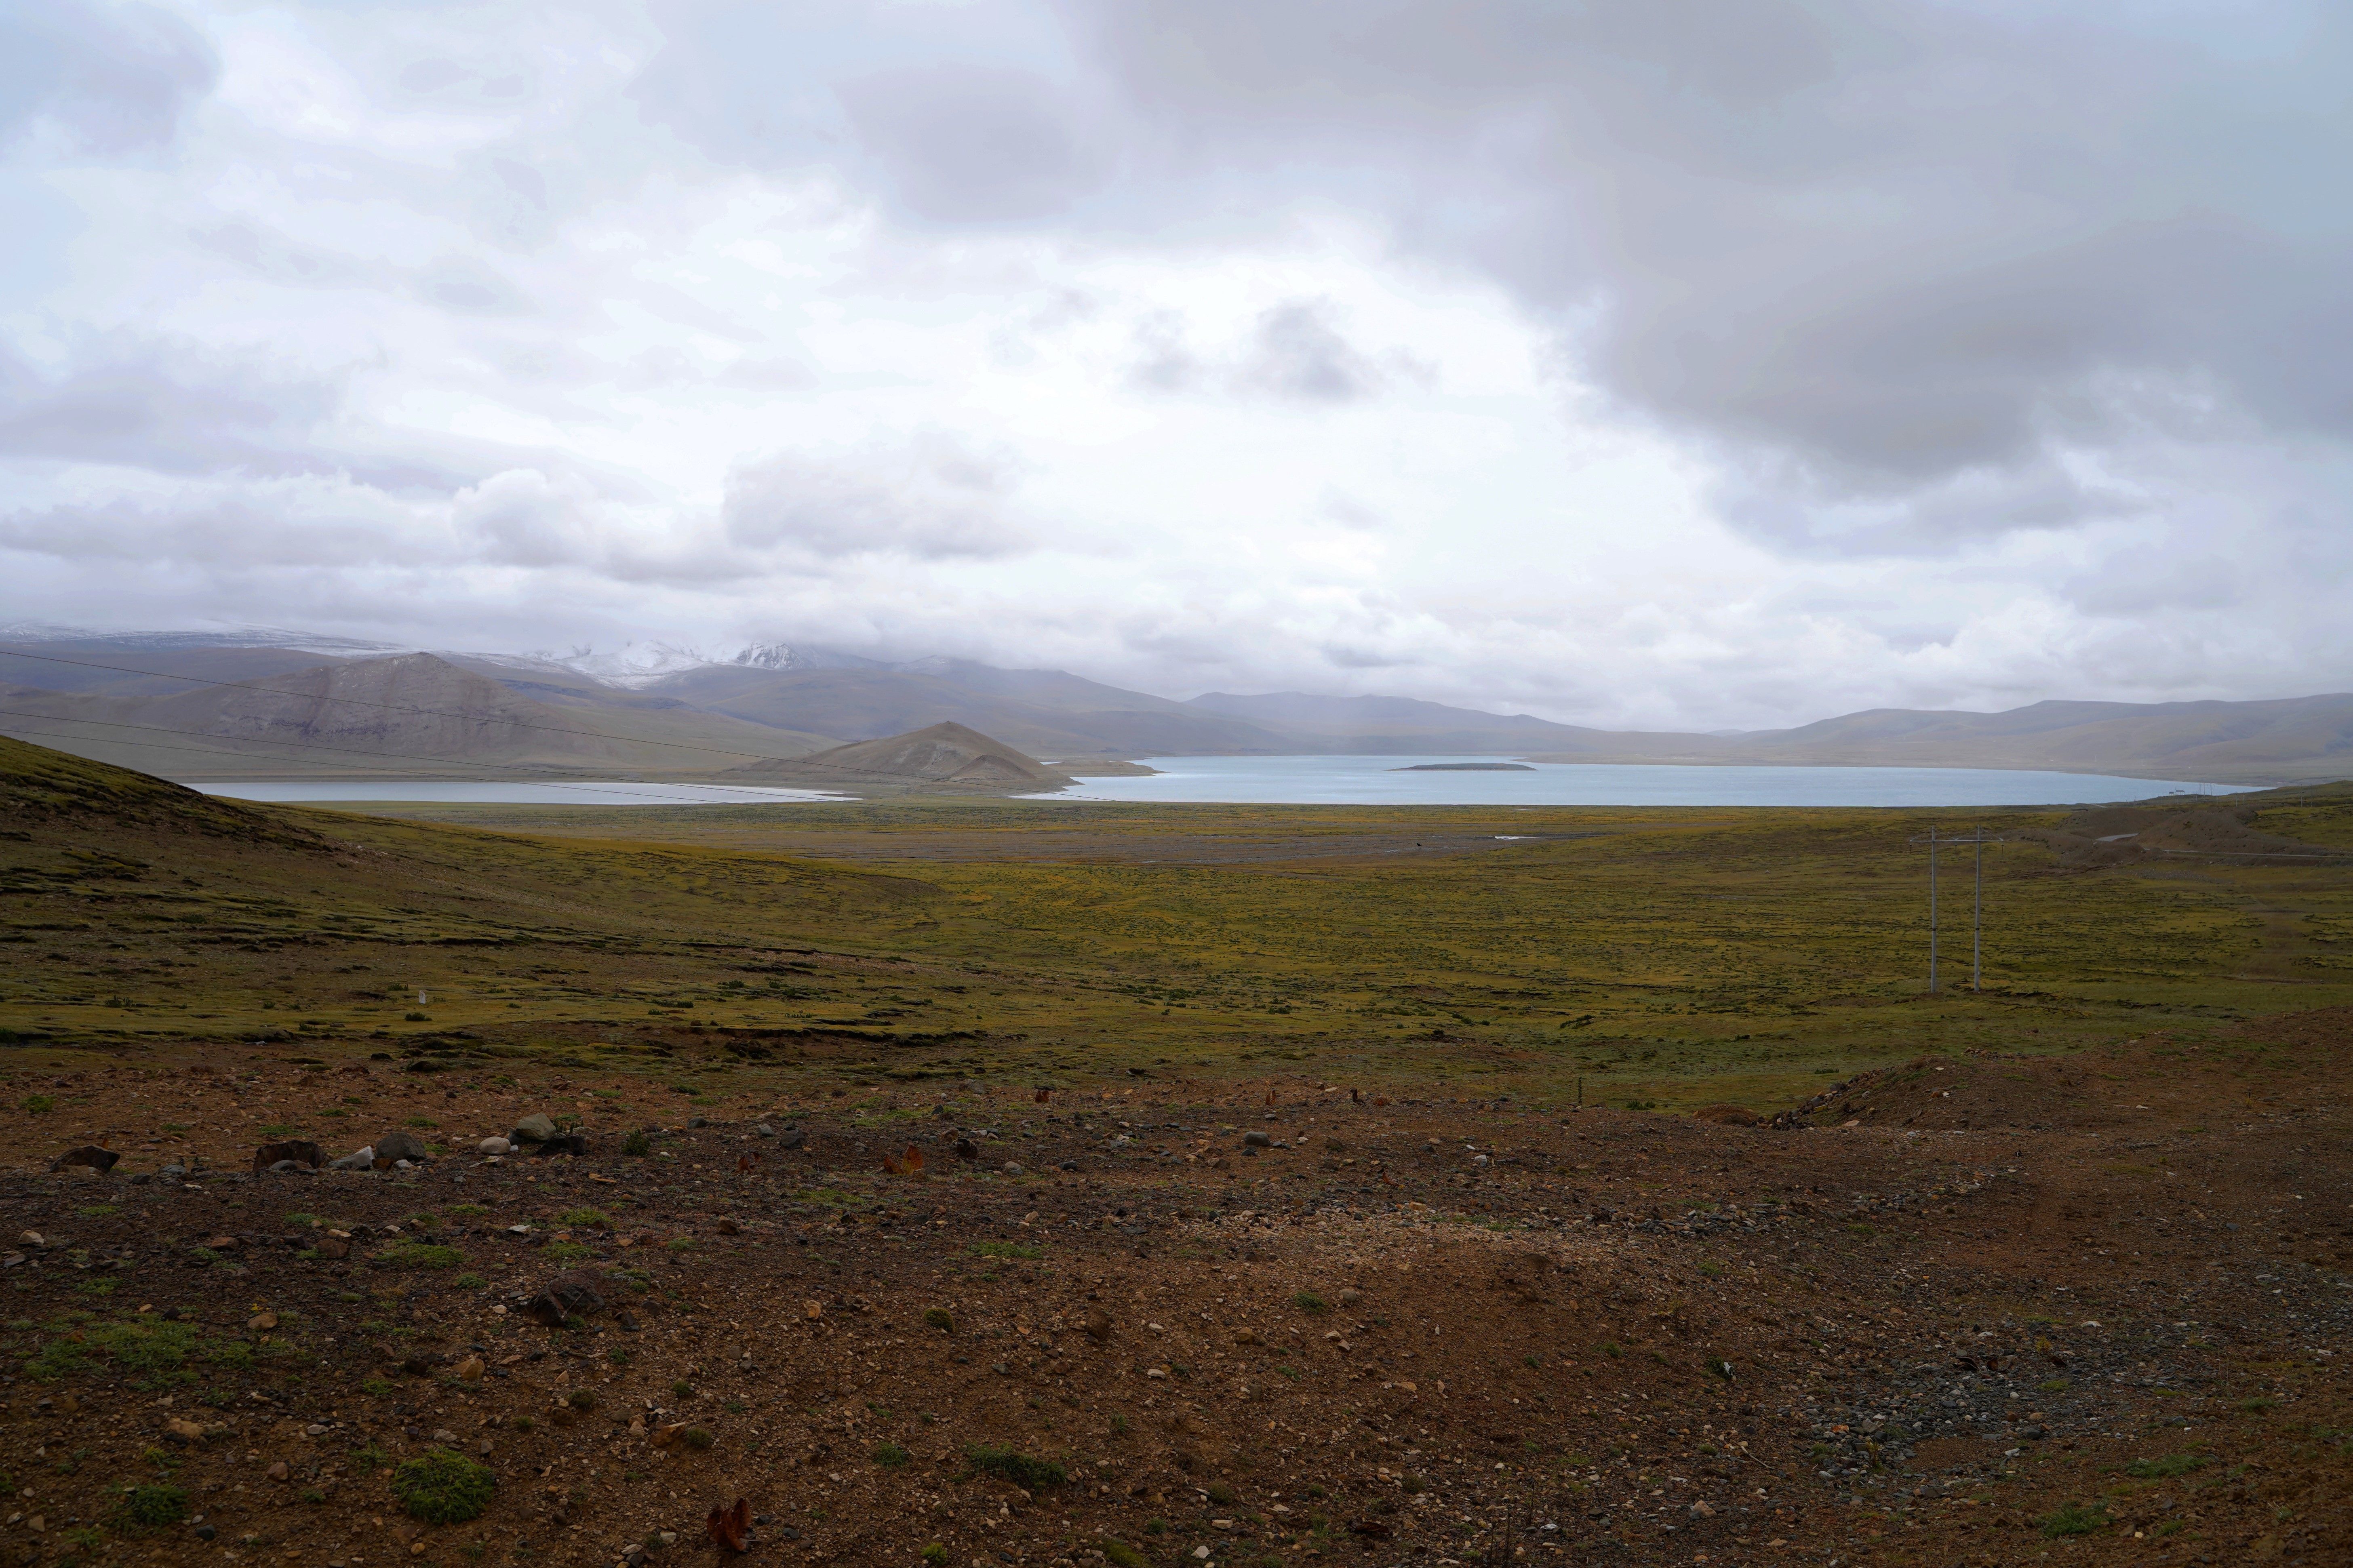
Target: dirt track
1422, 1331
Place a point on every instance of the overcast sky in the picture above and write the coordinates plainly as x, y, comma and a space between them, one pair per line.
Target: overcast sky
1668, 363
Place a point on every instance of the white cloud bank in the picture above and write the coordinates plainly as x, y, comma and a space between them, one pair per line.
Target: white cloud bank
1613, 363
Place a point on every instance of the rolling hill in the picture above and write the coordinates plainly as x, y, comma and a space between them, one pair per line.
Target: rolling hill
406, 715
2296, 740
270, 704
940, 758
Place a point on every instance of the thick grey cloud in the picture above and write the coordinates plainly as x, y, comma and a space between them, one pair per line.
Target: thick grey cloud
1867, 247
1726, 362
961, 145
930, 499
1295, 352
168, 407
96, 79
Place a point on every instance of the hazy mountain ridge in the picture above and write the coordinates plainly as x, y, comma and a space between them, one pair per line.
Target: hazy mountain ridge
412, 714
671, 710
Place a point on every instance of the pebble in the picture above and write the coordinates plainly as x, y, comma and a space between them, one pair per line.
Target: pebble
262, 1320
495, 1146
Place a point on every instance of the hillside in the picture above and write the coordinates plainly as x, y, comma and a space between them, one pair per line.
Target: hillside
296, 707
940, 758
1402, 726
2294, 740
409, 714
1044, 712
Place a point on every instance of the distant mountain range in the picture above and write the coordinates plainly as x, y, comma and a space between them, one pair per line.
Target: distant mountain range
277, 704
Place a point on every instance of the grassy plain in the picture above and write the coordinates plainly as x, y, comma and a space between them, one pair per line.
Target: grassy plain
1657, 955
1227, 1311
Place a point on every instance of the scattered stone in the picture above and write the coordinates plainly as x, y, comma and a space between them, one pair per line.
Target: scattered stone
535, 1128
563, 1299
765, 1130
298, 1151
361, 1158
278, 1471
262, 1322
1257, 1140
791, 1138
89, 1156
573, 1144
397, 1146
471, 1369
495, 1146
1098, 1323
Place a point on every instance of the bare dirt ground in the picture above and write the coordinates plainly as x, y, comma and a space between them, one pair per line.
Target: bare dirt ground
1980, 1309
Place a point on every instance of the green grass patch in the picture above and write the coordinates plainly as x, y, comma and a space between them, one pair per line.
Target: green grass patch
443, 1488
2073, 1519
421, 1254
1005, 1249
157, 1505
1025, 1470
2166, 1468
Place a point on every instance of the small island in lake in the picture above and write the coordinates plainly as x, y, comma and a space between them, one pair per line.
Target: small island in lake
1465, 768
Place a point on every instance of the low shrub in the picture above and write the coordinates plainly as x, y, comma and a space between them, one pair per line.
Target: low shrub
1025, 1470
443, 1488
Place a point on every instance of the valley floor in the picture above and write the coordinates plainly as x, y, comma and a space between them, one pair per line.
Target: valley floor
1974, 1310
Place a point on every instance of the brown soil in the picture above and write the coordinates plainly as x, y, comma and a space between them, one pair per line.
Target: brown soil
1424, 1331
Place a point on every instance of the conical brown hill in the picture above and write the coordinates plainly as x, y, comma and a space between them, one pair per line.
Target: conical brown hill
939, 757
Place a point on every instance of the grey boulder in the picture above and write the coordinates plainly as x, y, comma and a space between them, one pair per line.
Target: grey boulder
397, 1146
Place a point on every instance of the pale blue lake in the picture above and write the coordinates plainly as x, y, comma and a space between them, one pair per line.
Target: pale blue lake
1378, 781
1348, 780
488, 792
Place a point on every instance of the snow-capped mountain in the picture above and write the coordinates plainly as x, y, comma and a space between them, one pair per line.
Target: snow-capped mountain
637, 664
789, 655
